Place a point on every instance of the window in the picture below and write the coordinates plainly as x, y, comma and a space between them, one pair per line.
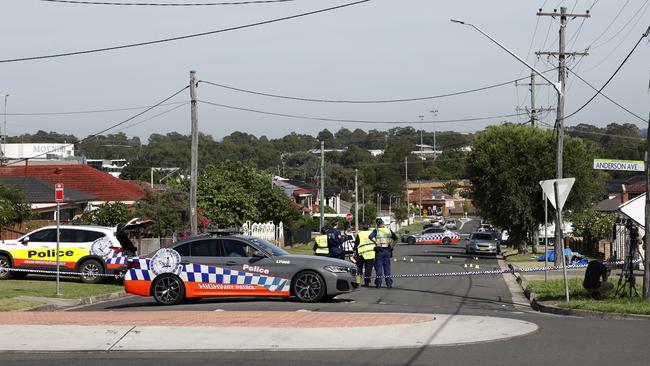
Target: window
236, 248
43, 236
183, 249
481, 236
90, 236
204, 248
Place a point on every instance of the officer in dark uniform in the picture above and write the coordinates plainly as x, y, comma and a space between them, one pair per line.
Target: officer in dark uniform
335, 242
384, 239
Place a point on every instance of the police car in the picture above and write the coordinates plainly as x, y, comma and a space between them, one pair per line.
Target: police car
231, 265
434, 235
89, 250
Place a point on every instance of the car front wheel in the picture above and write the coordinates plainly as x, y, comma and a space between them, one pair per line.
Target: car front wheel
308, 286
168, 289
91, 271
411, 240
5, 265
446, 241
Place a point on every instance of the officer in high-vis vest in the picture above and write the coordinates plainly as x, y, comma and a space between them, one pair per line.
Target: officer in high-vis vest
320, 245
384, 239
365, 250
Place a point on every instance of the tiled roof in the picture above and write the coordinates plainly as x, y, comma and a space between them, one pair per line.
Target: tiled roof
38, 191
82, 178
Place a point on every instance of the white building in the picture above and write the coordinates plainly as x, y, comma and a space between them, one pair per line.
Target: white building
37, 151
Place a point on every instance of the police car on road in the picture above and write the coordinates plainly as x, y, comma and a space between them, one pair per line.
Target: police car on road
433, 235
89, 250
226, 264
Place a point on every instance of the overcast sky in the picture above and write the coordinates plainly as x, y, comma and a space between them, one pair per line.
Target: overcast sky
377, 50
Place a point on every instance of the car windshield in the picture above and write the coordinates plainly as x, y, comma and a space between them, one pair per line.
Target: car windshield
269, 247
482, 237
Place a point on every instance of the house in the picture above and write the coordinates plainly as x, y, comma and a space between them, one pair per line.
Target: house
85, 187
307, 195
620, 191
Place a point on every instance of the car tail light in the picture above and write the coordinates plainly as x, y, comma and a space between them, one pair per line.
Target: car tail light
117, 249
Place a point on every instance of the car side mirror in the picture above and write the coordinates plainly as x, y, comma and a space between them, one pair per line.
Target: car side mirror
25, 240
259, 254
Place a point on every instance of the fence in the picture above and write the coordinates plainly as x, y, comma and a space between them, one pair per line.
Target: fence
22, 228
267, 231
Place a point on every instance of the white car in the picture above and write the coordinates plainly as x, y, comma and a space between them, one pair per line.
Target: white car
89, 250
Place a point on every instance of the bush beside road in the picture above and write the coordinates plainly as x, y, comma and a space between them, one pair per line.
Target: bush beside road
13, 291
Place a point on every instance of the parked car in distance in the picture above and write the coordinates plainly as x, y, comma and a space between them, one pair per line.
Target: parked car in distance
485, 228
433, 235
451, 224
483, 242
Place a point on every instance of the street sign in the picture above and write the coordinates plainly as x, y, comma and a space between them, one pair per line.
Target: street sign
563, 188
614, 164
348, 217
58, 192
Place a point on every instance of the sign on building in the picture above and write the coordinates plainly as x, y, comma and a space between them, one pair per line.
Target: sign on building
612, 164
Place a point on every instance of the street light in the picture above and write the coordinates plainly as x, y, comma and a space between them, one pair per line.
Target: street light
559, 244
555, 85
434, 113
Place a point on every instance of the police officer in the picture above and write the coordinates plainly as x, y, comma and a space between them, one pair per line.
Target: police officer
365, 249
384, 239
335, 242
320, 244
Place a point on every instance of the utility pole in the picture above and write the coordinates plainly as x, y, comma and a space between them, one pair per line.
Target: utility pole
194, 165
321, 206
406, 189
533, 111
559, 121
646, 264
356, 200
4, 136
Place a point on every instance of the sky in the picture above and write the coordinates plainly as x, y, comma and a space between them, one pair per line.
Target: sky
375, 50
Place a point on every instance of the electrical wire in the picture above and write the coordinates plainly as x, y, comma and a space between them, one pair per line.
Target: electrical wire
610, 24
89, 111
352, 120
108, 128
194, 35
166, 4
638, 12
152, 117
379, 101
605, 96
644, 35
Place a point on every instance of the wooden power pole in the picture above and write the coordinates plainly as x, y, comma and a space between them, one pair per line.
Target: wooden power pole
559, 121
194, 165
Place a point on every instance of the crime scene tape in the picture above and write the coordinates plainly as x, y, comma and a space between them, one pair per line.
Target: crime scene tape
63, 273
414, 275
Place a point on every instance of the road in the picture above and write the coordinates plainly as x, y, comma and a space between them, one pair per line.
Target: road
559, 340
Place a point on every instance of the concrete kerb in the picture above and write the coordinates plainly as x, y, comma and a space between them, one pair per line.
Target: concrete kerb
54, 304
543, 307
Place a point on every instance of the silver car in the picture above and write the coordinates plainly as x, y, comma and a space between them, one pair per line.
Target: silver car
236, 266
483, 242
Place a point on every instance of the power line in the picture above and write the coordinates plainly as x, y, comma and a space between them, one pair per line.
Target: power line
644, 35
223, 30
89, 111
319, 100
353, 120
108, 128
606, 97
166, 4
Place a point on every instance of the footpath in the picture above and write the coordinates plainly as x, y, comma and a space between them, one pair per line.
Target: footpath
242, 330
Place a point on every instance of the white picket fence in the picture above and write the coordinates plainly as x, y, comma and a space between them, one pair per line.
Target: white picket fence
265, 230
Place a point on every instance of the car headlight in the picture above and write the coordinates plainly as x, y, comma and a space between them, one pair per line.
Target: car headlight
336, 269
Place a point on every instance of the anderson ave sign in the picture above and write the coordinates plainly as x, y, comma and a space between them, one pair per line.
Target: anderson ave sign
628, 165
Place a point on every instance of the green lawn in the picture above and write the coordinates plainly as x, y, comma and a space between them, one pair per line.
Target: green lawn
46, 287
303, 249
553, 292
414, 227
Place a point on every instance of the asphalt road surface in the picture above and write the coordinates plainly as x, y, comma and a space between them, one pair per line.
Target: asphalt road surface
560, 340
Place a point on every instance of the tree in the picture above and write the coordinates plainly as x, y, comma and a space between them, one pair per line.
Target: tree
169, 210
108, 214
505, 167
13, 207
450, 188
592, 225
232, 192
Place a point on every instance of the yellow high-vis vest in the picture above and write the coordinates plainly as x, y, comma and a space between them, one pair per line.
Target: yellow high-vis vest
321, 245
366, 247
383, 237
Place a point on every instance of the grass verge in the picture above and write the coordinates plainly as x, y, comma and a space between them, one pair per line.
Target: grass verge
43, 286
414, 227
553, 292
302, 249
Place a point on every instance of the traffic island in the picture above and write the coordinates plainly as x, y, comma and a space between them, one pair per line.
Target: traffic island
248, 331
